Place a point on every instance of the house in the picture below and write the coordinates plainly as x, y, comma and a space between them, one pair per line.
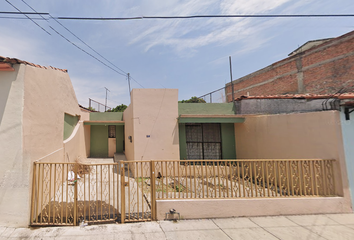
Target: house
322, 66
304, 105
157, 127
260, 142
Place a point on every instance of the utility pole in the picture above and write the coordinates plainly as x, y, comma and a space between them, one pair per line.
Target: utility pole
105, 106
128, 75
232, 84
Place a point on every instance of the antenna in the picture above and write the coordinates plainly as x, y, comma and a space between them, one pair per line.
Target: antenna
105, 106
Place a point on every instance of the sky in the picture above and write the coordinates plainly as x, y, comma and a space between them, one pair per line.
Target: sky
191, 55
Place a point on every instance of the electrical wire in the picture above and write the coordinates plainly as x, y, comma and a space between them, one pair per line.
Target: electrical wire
28, 17
208, 16
88, 45
187, 16
61, 35
78, 39
136, 82
83, 50
21, 18
28, 13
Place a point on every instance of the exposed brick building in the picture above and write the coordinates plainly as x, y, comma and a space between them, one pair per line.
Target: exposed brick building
318, 67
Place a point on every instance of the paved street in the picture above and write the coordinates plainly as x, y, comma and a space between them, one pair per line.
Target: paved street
327, 226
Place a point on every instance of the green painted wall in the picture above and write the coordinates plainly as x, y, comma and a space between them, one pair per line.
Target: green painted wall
106, 116
182, 141
228, 141
206, 108
99, 141
69, 125
120, 139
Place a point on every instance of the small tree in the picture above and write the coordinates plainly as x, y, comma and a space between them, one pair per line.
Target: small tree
193, 100
120, 108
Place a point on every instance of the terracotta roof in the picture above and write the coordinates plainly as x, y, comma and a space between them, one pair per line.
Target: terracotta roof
7, 61
300, 96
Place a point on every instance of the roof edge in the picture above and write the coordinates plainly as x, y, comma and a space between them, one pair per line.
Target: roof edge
300, 96
18, 61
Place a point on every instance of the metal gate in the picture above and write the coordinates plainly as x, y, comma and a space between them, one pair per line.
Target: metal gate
70, 193
137, 191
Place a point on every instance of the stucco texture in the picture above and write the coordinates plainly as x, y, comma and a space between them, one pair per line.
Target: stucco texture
315, 135
48, 95
14, 170
151, 120
32, 126
129, 132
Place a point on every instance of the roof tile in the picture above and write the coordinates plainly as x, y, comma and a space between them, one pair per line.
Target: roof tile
18, 61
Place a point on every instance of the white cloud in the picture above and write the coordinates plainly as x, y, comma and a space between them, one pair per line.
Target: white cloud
93, 88
24, 50
181, 35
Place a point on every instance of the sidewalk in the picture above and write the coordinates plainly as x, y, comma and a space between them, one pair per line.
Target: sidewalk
326, 226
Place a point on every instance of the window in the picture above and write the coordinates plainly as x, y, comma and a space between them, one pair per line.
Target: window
112, 131
203, 141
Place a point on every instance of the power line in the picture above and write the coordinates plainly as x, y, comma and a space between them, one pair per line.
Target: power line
187, 16
86, 51
77, 38
208, 16
27, 17
22, 18
28, 13
136, 82
75, 44
84, 44
88, 45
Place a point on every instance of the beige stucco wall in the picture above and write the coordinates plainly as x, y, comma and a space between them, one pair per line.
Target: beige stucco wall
295, 136
48, 95
85, 115
284, 136
221, 208
154, 113
129, 131
32, 124
14, 171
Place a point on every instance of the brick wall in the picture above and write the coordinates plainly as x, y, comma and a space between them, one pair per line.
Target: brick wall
324, 69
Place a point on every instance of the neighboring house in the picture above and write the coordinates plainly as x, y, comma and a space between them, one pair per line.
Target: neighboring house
38, 114
319, 67
315, 126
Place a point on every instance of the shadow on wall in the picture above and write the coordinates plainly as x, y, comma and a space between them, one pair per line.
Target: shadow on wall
5, 86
